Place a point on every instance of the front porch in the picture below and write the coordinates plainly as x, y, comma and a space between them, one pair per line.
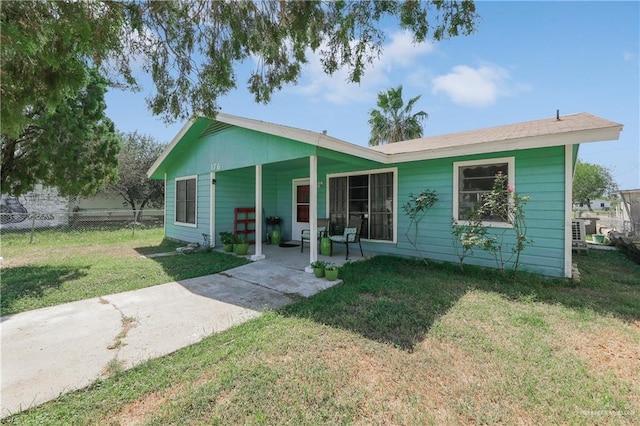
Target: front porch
291, 258
283, 270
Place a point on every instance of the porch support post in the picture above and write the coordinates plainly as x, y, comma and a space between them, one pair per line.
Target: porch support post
313, 211
212, 210
258, 253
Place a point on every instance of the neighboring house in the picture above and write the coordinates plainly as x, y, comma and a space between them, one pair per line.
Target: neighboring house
595, 205
215, 165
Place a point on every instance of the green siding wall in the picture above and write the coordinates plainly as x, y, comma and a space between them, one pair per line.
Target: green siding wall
184, 232
235, 188
539, 173
236, 148
285, 198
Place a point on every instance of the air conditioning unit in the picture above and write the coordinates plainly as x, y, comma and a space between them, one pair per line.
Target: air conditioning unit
578, 241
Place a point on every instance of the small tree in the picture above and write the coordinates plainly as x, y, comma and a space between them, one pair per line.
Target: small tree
136, 156
72, 146
506, 204
416, 208
469, 235
502, 203
591, 181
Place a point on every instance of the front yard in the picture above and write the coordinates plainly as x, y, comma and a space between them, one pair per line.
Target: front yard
399, 343
61, 267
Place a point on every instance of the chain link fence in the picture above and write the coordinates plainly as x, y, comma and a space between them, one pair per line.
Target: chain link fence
28, 224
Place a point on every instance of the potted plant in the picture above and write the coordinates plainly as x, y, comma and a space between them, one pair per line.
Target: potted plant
276, 237
325, 246
331, 272
241, 246
227, 239
318, 268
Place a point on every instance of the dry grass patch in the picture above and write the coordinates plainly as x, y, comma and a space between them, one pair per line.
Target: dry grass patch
609, 348
138, 411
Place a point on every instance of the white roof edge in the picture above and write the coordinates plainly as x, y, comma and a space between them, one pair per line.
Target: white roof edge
324, 141
544, 141
170, 147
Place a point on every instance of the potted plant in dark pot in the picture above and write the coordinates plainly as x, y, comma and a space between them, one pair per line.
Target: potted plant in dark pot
241, 246
318, 268
331, 272
227, 239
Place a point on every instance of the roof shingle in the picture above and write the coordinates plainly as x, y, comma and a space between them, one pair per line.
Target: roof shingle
512, 132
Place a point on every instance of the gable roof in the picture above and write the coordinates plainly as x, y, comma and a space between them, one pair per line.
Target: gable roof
565, 130
223, 121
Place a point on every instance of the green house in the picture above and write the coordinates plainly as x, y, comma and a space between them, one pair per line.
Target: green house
214, 166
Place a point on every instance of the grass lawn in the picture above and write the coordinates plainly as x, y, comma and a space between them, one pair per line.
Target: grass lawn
400, 343
61, 267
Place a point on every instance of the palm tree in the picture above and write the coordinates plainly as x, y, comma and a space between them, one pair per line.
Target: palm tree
393, 123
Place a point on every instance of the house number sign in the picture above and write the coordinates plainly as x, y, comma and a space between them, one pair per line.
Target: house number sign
215, 167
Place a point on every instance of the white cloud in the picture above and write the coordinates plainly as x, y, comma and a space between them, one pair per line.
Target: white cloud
629, 56
402, 51
399, 53
476, 87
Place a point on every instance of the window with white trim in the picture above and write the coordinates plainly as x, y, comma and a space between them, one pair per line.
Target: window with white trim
369, 196
186, 200
472, 180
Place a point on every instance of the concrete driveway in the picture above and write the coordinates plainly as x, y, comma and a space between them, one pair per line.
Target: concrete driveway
50, 351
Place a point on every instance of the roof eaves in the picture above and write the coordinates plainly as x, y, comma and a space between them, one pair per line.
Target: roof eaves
543, 141
154, 167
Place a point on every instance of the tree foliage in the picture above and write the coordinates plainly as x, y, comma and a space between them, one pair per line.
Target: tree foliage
73, 146
591, 181
136, 156
395, 122
191, 49
48, 49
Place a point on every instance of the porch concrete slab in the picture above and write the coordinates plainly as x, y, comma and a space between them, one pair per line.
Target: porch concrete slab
281, 278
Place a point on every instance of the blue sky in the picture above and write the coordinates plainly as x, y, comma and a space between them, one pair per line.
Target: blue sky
526, 60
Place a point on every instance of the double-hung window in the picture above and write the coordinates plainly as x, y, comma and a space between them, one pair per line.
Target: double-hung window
186, 200
369, 196
472, 180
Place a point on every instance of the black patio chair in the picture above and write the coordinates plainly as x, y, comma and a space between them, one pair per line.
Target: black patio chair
323, 225
351, 235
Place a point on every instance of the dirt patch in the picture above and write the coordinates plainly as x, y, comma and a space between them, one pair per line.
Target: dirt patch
138, 411
609, 349
396, 391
